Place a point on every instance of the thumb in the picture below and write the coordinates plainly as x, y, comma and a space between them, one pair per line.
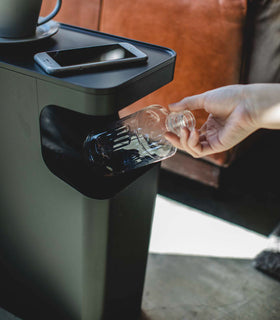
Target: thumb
190, 103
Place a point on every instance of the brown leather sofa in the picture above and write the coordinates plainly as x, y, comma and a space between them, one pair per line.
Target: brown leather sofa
218, 43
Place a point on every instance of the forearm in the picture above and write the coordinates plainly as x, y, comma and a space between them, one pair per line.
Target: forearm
264, 103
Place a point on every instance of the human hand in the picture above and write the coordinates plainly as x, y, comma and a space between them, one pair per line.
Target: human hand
234, 113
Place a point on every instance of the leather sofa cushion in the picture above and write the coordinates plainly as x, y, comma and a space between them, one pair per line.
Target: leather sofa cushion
207, 36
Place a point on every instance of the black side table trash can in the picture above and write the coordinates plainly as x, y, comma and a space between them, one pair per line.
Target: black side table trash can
73, 245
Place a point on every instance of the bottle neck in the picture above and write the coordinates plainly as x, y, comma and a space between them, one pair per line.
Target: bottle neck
175, 121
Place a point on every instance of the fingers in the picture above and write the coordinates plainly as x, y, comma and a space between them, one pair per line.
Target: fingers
188, 141
173, 139
192, 142
190, 103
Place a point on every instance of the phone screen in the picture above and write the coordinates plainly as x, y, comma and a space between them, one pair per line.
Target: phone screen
91, 55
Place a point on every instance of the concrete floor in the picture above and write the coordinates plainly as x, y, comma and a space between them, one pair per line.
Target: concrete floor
207, 288
210, 276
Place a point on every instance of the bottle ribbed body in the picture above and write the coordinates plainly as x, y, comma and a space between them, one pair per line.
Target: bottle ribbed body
136, 140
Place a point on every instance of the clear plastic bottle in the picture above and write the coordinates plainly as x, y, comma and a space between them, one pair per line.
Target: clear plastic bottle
136, 140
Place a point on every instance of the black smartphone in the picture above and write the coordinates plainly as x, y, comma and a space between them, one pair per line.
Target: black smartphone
79, 59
